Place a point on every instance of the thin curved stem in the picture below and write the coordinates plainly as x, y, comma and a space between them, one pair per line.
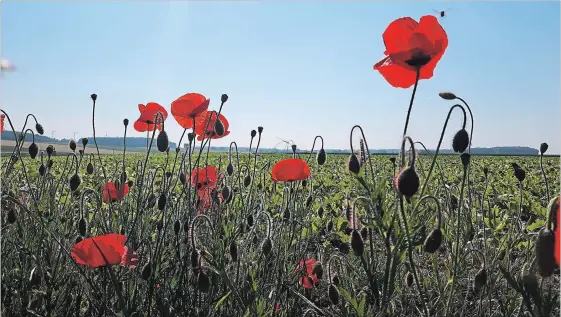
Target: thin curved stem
418, 73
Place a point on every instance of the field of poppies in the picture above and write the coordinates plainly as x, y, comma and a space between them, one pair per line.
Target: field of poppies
189, 232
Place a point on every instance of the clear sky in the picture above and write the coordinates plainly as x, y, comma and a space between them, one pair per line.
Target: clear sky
298, 69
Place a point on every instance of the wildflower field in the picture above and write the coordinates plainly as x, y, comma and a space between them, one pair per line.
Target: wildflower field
189, 232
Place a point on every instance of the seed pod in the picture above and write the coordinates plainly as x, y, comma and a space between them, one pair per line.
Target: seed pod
182, 178
520, 174
250, 220
545, 246
230, 169
75, 182
33, 150
226, 193
72, 145
333, 294
409, 279
90, 168
317, 269
203, 282
320, 211
84, 142
530, 283
162, 201
176, 227
82, 227
357, 244
234, 251
11, 215
353, 165
151, 201
407, 182
34, 278
219, 127
321, 156
480, 279
309, 200
146, 271
267, 246
50, 150
460, 141
433, 241
39, 128
42, 170
247, 181
253, 133
224, 98
194, 258
465, 158
543, 148
162, 141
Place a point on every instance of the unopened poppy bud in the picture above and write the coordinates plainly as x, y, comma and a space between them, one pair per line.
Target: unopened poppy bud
317, 269
11, 215
225, 193
286, 214
330, 225
460, 142
320, 211
409, 279
357, 244
182, 178
433, 241
94, 97
224, 98
454, 203
146, 271
259, 129
530, 283
336, 280
191, 136
250, 220
333, 294
309, 200
125, 122
33, 150
194, 258
247, 181
72, 145
480, 280
364, 233
151, 201
203, 282
84, 142
465, 158
253, 133
543, 148
81, 152
75, 182
162, 141
407, 182
545, 247
267, 246
353, 165
39, 128
176, 227
293, 147
162, 201
230, 169
90, 168
485, 171
160, 225
321, 156
447, 95
219, 127
34, 278
234, 251
42, 169
519, 173
50, 150
130, 183
82, 227
304, 183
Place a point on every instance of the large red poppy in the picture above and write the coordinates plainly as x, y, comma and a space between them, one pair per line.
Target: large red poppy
2, 117
204, 126
112, 194
557, 232
148, 117
205, 199
292, 169
187, 107
309, 279
205, 177
89, 251
410, 45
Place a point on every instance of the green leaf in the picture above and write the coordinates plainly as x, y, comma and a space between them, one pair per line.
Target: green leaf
360, 310
349, 298
222, 300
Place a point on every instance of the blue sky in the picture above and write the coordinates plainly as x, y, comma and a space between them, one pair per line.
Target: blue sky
298, 69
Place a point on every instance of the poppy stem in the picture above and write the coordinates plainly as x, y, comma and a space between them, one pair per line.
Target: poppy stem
418, 73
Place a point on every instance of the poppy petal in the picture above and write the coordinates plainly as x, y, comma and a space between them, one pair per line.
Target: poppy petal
293, 169
433, 32
397, 34
99, 251
396, 75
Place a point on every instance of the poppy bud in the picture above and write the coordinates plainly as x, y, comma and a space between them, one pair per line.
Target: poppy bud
317, 269
545, 246
519, 173
353, 164
123, 177
433, 241
304, 183
320, 158
447, 95
320, 211
50, 163
79, 239
146, 271
250, 220
224, 98
90, 168
409, 279
267, 246
82, 226
230, 169
330, 225
162, 141
162, 201
480, 279
94, 97
454, 202
33, 150
465, 158
333, 294
72, 145
485, 171
194, 258
543, 148
125, 122
84, 142
34, 278
42, 170
309, 200
81, 152
203, 282
151, 201
219, 127
160, 225
407, 182
182, 178
259, 130
50, 150
286, 214
357, 244
293, 147
226, 193
176, 227
234, 251
190, 136
75, 182
392, 160
335, 280
364, 233
247, 181
39, 128
11, 215
530, 283
130, 183
460, 142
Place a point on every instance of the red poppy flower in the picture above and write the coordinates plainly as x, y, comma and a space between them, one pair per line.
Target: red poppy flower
292, 169
187, 107
410, 45
2, 117
91, 251
204, 177
308, 280
148, 117
207, 120
557, 232
205, 199
112, 194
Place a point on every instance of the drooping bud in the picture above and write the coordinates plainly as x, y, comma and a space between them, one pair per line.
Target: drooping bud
480, 279
146, 271
465, 158
545, 246
82, 227
333, 294
75, 182
447, 95
433, 241
162, 141
33, 150
219, 128
530, 283
543, 148
203, 282
90, 168
194, 258
357, 244
321, 156
182, 178
162, 201
317, 269
409, 279
407, 182
519, 173
320, 211
461, 141
234, 251
72, 145
247, 181
250, 220
226, 193
309, 200
230, 169
267, 246
42, 169
11, 215
353, 165
39, 128
177, 227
